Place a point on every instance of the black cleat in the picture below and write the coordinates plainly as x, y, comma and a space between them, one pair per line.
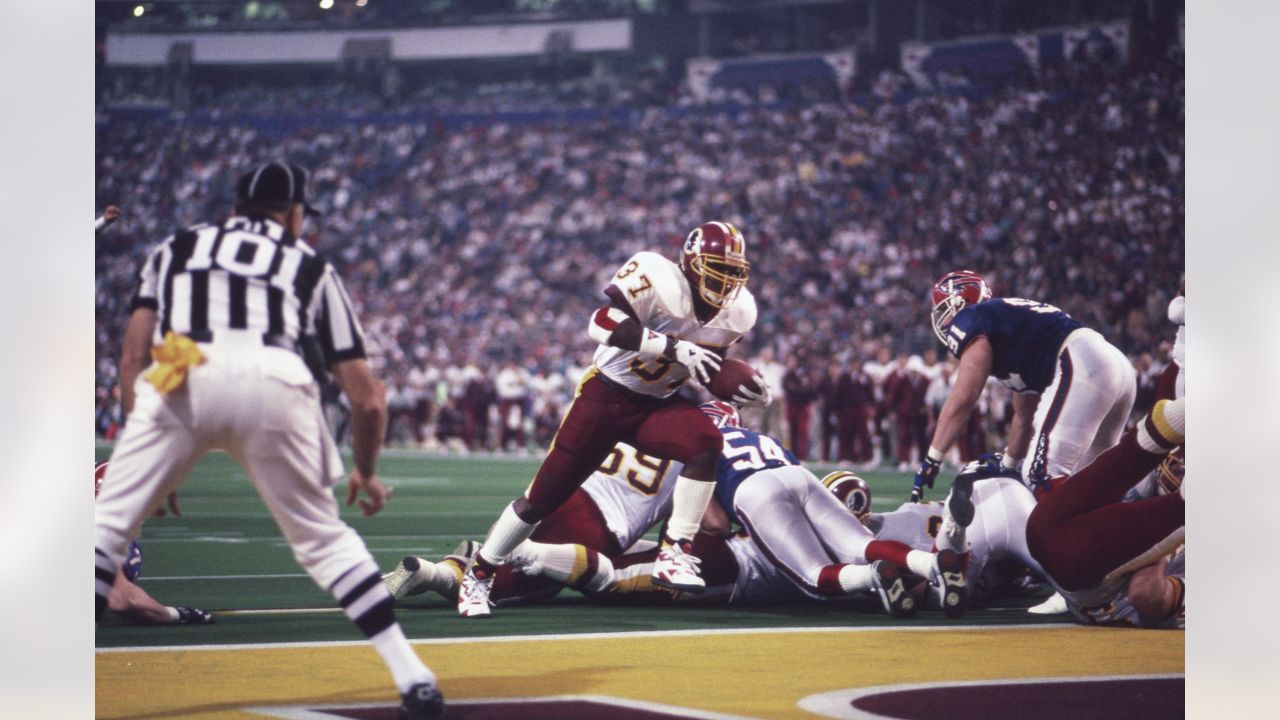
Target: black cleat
888, 585
948, 581
422, 702
960, 502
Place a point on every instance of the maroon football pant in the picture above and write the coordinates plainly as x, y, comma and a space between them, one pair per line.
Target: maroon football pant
1080, 530
602, 416
578, 520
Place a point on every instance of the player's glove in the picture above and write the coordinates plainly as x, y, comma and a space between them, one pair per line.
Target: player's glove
193, 616
996, 464
924, 478
746, 397
700, 362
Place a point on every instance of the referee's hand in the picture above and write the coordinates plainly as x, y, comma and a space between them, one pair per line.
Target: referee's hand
373, 487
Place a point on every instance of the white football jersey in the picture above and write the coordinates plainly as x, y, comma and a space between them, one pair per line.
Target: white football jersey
998, 530
662, 300
633, 491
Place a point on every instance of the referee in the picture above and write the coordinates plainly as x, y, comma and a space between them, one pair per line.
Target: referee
220, 311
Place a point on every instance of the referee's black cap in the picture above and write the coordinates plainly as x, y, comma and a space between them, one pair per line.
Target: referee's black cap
275, 182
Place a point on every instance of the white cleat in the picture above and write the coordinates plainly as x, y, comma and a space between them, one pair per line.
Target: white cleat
1055, 605
677, 569
403, 581
473, 596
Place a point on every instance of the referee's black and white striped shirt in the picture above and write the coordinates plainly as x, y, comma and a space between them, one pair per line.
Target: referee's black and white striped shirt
249, 274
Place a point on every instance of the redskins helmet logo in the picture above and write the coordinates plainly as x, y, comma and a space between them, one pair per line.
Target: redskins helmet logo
693, 243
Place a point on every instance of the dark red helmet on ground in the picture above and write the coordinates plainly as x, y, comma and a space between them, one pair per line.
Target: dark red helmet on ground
714, 261
852, 490
953, 293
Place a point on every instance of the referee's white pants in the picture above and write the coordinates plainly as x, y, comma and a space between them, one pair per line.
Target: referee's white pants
1084, 409
261, 406
799, 525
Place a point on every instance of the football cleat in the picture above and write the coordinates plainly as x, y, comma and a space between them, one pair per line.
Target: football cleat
423, 701
677, 568
1055, 605
403, 581
960, 501
948, 581
888, 586
193, 616
473, 595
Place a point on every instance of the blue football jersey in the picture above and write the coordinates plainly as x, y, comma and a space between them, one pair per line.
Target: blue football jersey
1025, 337
745, 453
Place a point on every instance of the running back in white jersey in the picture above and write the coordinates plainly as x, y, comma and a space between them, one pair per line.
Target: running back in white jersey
662, 301
633, 491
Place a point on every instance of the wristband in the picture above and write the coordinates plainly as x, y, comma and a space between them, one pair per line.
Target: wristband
934, 455
652, 345
1009, 462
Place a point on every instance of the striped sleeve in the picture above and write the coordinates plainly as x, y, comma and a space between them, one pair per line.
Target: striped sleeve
148, 292
335, 322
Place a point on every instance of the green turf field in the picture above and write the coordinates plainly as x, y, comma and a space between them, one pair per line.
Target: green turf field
225, 554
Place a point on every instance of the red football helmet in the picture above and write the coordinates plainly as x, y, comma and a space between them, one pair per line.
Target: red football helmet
852, 490
714, 261
721, 413
953, 293
99, 474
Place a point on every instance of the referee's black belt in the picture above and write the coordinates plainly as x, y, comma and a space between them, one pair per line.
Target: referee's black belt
276, 340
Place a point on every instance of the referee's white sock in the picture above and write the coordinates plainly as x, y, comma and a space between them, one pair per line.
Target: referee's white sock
365, 599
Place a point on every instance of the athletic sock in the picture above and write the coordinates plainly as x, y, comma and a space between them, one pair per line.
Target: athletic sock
508, 532
855, 577
1164, 427
364, 598
689, 502
104, 573
577, 566
920, 563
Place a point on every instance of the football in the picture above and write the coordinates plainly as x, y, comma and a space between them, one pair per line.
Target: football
732, 375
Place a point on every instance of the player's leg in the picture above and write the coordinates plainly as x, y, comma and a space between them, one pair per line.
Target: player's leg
1093, 384
288, 453
681, 432
597, 419
633, 575
771, 506
577, 521
1080, 530
154, 455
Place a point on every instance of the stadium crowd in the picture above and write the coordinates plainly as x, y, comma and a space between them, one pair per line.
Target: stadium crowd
480, 247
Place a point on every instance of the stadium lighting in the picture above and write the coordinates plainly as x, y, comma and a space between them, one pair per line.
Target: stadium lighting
138, 10
361, 3
326, 4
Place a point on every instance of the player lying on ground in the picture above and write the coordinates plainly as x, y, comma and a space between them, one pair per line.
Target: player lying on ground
1110, 557
131, 602
616, 505
663, 323
1040, 353
815, 547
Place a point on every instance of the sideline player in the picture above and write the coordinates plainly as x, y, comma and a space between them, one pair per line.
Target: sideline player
1038, 352
226, 306
663, 323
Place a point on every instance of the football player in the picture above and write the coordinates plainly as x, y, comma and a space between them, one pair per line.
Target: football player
809, 534
130, 601
1108, 556
608, 515
1072, 389
663, 323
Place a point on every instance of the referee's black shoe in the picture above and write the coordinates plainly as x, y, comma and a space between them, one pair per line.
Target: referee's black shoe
422, 702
